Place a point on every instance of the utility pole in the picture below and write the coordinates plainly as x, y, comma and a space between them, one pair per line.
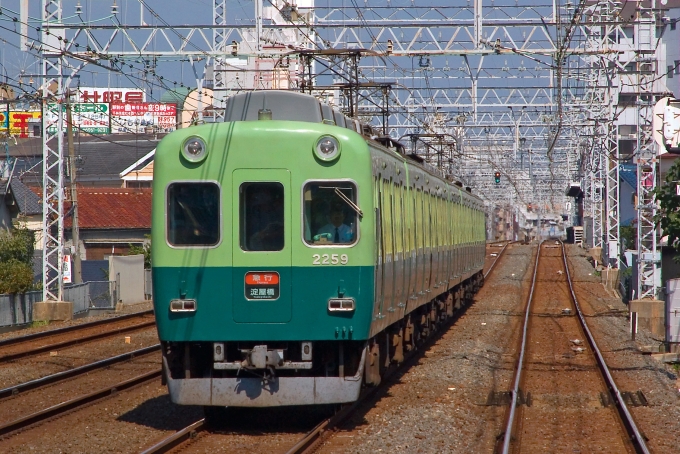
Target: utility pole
77, 273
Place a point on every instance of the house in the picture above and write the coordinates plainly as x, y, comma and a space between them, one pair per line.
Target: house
20, 204
109, 221
100, 160
140, 173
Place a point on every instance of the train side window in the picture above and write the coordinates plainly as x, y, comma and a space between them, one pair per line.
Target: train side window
330, 213
193, 214
261, 216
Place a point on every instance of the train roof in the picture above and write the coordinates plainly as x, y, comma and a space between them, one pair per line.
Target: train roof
295, 106
286, 105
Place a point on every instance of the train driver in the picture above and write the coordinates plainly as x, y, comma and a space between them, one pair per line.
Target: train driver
338, 230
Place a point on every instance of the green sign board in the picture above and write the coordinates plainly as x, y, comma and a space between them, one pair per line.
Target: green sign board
90, 118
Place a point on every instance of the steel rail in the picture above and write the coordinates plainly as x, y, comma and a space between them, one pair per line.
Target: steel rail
177, 438
315, 436
59, 376
500, 254
46, 348
63, 407
520, 363
636, 437
52, 332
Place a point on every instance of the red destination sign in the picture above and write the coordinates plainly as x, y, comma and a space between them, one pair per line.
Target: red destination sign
262, 278
262, 285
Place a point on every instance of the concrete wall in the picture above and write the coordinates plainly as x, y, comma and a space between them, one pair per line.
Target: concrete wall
128, 271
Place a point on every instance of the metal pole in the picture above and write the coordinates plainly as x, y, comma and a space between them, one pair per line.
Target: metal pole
75, 237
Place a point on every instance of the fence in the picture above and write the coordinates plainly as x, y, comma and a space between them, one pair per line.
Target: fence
17, 309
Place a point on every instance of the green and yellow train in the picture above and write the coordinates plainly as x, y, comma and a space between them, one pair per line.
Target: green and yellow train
295, 257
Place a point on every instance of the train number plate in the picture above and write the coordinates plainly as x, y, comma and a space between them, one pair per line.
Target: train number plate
262, 285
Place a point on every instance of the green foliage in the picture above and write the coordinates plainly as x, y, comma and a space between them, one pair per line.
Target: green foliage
15, 277
144, 249
16, 258
16, 244
626, 272
628, 235
39, 323
668, 215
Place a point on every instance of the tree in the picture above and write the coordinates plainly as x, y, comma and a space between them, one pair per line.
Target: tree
143, 249
16, 259
668, 215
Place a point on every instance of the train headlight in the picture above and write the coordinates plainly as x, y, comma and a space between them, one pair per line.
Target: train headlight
194, 149
327, 148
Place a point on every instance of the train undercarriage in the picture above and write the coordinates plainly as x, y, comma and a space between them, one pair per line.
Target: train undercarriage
263, 374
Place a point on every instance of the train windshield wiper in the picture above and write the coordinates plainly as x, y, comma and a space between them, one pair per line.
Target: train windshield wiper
344, 198
349, 202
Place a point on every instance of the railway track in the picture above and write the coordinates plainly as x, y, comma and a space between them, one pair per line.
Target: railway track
326, 427
78, 402
563, 395
497, 253
75, 372
46, 341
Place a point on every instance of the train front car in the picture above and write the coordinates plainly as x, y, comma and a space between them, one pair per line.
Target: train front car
262, 256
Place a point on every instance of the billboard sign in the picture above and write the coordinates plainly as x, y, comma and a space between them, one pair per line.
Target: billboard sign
97, 95
66, 269
91, 118
19, 122
137, 117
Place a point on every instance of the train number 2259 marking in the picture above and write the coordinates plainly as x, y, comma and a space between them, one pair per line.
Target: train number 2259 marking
330, 259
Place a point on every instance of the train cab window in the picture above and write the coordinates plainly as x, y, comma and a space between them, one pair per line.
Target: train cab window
261, 213
193, 214
330, 213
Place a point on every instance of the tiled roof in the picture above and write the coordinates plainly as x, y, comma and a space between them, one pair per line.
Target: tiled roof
99, 158
112, 208
28, 202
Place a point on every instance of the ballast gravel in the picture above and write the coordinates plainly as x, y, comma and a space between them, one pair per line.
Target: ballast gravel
436, 406
439, 405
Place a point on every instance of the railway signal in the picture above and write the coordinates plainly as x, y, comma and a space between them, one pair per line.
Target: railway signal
497, 177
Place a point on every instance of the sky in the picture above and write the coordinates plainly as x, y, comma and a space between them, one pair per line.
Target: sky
14, 62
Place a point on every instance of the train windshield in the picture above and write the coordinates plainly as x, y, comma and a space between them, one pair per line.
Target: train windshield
193, 216
262, 217
330, 213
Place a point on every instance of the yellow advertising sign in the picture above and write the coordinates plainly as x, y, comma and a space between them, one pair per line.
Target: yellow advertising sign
19, 122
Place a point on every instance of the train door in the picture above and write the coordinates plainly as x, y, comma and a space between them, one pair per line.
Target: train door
388, 238
261, 251
420, 244
411, 219
380, 249
455, 221
427, 222
436, 241
404, 248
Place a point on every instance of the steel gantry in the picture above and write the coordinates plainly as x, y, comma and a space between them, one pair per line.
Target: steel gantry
515, 85
53, 157
644, 87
